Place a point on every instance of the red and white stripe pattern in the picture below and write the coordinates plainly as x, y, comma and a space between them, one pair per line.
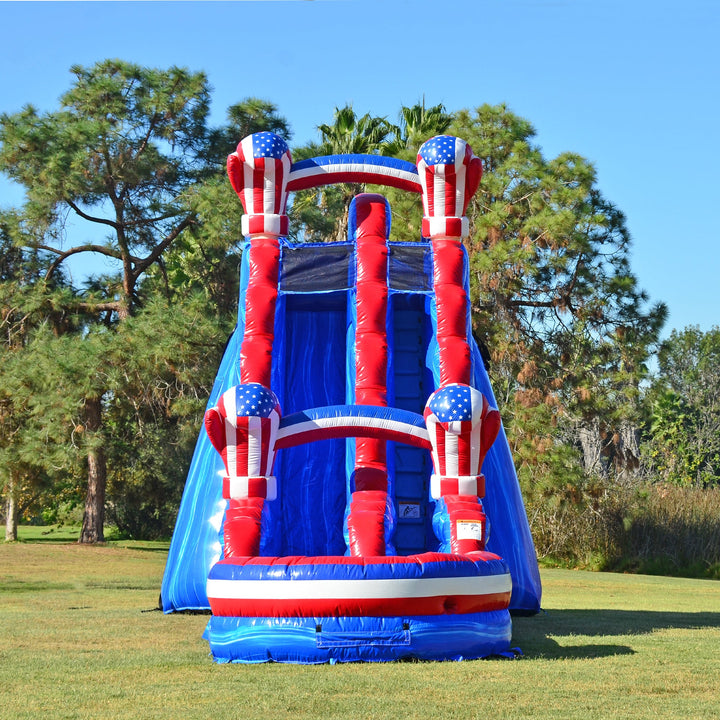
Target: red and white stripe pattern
258, 172
440, 486
372, 169
374, 598
450, 175
454, 227
243, 428
462, 426
352, 421
333, 587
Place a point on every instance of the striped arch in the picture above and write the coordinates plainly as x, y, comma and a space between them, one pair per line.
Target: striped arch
374, 169
337, 421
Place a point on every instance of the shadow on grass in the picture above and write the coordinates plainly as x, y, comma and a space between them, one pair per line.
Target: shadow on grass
538, 635
15, 586
151, 547
54, 536
69, 535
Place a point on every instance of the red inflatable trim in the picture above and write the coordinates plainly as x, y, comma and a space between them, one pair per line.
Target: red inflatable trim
241, 531
360, 607
260, 299
371, 350
366, 520
366, 524
422, 558
452, 305
465, 509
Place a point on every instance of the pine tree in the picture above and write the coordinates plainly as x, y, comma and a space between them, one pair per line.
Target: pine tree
128, 158
553, 295
118, 156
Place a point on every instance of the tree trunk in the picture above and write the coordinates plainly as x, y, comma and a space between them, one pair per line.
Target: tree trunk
11, 511
94, 515
341, 230
627, 452
593, 446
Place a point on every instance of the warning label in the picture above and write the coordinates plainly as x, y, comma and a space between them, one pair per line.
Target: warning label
469, 530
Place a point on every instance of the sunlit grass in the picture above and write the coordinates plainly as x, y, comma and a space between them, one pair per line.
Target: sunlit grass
81, 638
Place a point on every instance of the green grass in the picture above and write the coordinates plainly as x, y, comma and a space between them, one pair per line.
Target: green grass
79, 639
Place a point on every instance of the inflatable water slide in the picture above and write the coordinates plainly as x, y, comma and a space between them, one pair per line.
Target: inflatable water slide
352, 496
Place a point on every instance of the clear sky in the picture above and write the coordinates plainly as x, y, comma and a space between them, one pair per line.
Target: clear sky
632, 85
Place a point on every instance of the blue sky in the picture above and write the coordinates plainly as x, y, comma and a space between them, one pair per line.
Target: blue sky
632, 85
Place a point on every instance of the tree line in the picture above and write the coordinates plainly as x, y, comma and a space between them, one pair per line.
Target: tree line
103, 381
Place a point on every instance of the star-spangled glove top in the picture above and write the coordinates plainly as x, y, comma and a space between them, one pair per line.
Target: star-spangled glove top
439, 150
254, 400
452, 403
268, 145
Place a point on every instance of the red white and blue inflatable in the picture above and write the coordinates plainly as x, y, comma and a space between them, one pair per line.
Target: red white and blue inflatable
352, 495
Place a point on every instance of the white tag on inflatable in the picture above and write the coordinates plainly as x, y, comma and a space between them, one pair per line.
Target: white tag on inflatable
469, 530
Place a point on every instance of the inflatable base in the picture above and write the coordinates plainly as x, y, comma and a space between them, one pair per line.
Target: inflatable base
312, 641
432, 606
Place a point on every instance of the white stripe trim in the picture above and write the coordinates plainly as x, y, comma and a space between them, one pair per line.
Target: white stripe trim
381, 423
230, 421
269, 187
247, 148
431, 423
438, 226
435, 492
451, 455
239, 487
272, 225
439, 188
270, 460
475, 450
467, 485
461, 175
425, 193
351, 589
254, 447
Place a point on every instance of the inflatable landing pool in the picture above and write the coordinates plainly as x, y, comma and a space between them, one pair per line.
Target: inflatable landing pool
352, 496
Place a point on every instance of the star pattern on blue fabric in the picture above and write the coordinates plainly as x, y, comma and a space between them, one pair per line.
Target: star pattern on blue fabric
254, 400
452, 403
268, 145
439, 150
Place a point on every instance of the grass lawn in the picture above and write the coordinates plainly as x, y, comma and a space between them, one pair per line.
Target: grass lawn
79, 639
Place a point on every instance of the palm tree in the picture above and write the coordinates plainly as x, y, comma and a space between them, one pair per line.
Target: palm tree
418, 124
249, 116
323, 212
352, 135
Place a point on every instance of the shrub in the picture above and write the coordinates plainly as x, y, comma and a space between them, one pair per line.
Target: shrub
650, 528
676, 531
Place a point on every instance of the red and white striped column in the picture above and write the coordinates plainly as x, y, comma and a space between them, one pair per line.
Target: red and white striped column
460, 423
462, 426
258, 171
449, 175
